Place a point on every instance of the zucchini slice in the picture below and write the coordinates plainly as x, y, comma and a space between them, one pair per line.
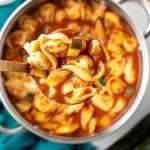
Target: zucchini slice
77, 44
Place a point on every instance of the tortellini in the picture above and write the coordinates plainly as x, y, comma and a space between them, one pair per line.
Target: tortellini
113, 18
115, 49
17, 39
120, 104
73, 109
56, 77
130, 44
86, 116
105, 121
99, 30
86, 62
115, 85
118, 37
21, 89
57, 43
28, 23
63, 119
37, 57
92, 125
130, 74
42, 104
117, 66
87, 13
47, 12
99, 11
49, 126
40, 117
74, 10
103, 102
81, 94
39, 60
68, 129
60, 15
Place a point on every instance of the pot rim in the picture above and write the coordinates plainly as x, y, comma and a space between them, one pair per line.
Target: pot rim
119, 123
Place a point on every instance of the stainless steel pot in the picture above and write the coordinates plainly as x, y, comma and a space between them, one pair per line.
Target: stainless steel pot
27, 5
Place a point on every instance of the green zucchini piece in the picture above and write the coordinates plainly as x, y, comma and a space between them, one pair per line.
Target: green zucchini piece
73, 52
133, 137
76, 43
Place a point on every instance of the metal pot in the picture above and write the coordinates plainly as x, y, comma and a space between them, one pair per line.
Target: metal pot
26, 6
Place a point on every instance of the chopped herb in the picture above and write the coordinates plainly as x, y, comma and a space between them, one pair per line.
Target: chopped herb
129, 90
103, 80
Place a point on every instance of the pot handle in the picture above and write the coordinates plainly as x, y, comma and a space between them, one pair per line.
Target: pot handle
146, 5
11, 131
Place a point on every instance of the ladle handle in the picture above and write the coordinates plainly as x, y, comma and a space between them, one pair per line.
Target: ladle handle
12, 66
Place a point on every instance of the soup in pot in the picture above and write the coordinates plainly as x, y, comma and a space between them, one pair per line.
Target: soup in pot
121, 49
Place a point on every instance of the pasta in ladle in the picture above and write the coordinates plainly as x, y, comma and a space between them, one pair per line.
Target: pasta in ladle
63, 57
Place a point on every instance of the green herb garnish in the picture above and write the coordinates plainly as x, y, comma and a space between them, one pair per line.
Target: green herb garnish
103, 80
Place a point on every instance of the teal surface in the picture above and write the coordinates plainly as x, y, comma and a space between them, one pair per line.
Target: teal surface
26, 140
